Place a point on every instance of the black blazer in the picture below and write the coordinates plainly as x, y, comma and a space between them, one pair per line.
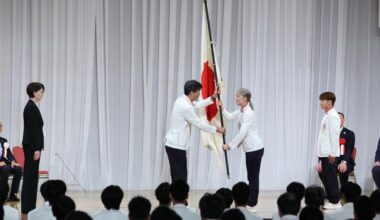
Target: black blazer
33, 134
10, 156
349, 136
377, 158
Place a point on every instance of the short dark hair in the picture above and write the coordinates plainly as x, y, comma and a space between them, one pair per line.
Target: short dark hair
192, 86
62, 206
78, 215
363, 209
55, 189
34, 87
112, 197
375, 199
298, 189
311, 213
162, 193
211, 206
1, 213
226, 194
288, 204
43, 190
4, 190
164, 212
341, 113
329, 96
350, 191
240, 193
233, 214
139, 208
315, 196
179, 190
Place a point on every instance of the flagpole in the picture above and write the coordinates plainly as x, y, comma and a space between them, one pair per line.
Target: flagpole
217, 84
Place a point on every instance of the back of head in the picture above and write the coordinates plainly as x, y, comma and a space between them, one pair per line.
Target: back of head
62, 206
162, 193
375, 199
233, 214
350, 192
78, 215
311, 213
298, 189
43, 190
192, 86
164, 212
288, 204
55, 189
1, 213
211, 206
226, 194
363, 209
139, 208
315, 196
112, 197
179, 191
4, 190
240, 193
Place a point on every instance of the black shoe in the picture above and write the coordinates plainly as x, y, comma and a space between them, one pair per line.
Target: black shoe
13, 198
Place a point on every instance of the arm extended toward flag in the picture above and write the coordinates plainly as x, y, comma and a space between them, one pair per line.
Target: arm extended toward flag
217, 84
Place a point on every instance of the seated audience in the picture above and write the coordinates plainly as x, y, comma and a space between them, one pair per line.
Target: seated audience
298, 189
288, 206
79, 215
139, 208
240, 194
62, 206
164, 213
9, 212
226, 194
376, 167
211, 206
179, 193
162, 194
44, 212
311, 213
375, 199
233, 214
111, 198
315, 196
349, 192
363, 209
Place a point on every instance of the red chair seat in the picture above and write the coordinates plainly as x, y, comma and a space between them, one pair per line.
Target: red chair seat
43, 172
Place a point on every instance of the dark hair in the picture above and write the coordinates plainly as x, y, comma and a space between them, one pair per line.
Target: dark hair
34, 87
1, 213
62, 206
179, 190
4, 190
226, 194
288, 204
350, 191
192, 86
55, 189
341, 113
375, 199
164, 213
240, 193
112, 197
162, 193
233, 214
43, 190
298, 189
315, 196
311, 213
139, 208
78, 215
211, 206
329, 96
363, 209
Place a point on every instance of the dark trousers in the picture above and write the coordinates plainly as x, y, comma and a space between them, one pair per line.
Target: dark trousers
329, 178
343, 177
16, 171
253, 163
376, 176
178, 163
30, 181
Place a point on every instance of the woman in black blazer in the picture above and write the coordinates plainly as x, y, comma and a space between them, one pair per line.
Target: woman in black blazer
33, 144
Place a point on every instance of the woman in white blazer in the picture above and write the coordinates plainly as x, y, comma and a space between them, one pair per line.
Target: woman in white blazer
249, 138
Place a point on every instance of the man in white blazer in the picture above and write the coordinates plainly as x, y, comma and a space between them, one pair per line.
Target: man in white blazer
328, 149
184, 115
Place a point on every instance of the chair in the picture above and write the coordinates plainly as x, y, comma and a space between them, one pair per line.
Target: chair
18, 153
352, 175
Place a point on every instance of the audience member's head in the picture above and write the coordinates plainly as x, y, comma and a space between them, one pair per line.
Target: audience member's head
315, 196
211, 206
164, 213
288, 204
62, 206
78, 215
139, 208
375, 199
4, 189
1, 213
240, 193
112, 197
363, 209
349, 192
163, 193
55, 189
226, 194
179, 191
233, 214
43, 190
311, 213
298, 189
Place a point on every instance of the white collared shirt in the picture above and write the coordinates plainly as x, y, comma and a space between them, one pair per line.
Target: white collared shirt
248, 134
183, 116
329, 133
343, 213
248, 215
289, 217
10, 213
185, 212
42, 213
110, 215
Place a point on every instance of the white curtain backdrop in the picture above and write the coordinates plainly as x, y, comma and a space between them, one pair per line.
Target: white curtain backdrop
113, 68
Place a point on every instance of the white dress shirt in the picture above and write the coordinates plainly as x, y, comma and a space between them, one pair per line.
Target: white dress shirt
10, 213
289, 217
248, 134
183, 116
185, 212
248, 215
110, 215
42, 213
343, 213
377, 217
329, 133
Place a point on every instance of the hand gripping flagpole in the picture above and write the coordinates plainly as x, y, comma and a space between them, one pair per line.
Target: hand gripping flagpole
217, 83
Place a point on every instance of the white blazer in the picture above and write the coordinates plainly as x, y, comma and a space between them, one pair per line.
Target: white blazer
329, 133
183, 116
248, 135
